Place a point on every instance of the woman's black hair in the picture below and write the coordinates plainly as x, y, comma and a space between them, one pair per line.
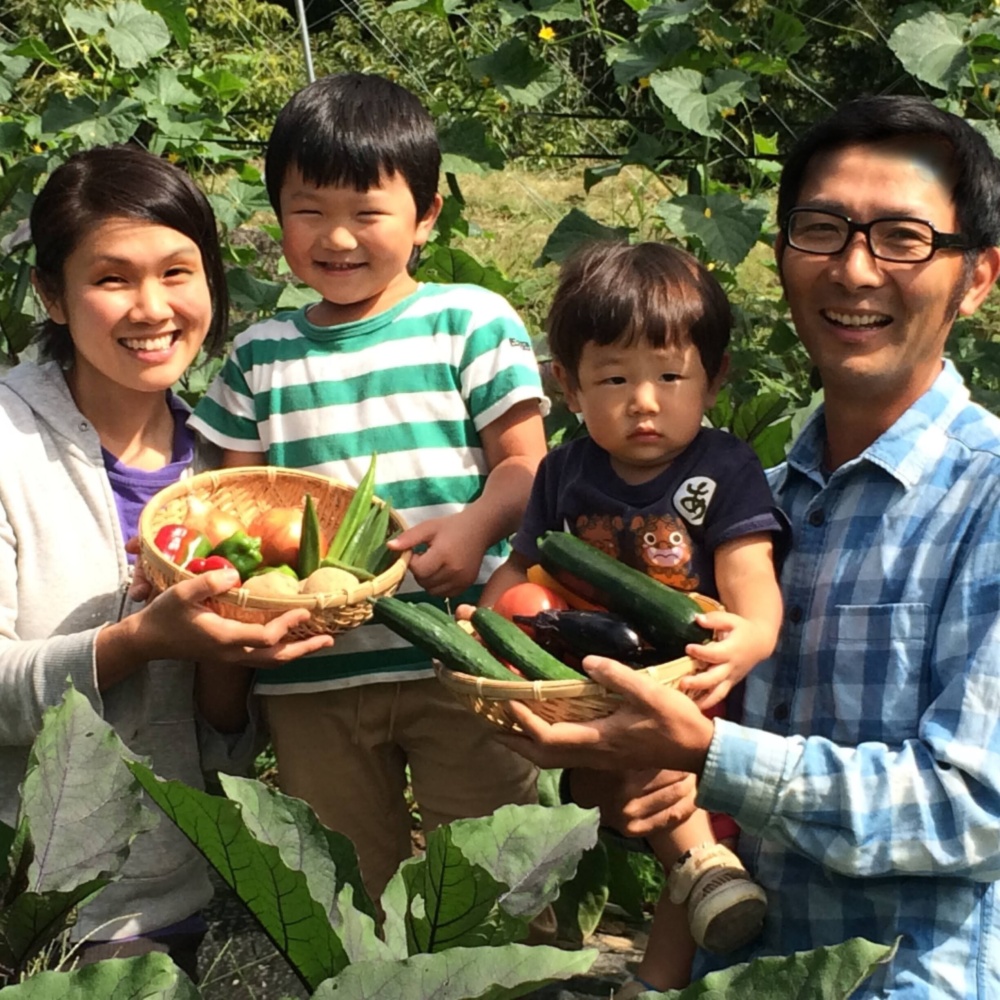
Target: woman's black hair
650, 293
111, 182
353, 129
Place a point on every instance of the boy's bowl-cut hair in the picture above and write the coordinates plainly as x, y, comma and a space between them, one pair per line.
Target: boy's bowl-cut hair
649, 292
353, 129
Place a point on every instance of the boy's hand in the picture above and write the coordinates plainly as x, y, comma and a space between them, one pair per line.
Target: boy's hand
726, 661
447, 553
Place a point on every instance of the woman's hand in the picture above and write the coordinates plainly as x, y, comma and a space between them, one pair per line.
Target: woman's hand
656, 728
176, 625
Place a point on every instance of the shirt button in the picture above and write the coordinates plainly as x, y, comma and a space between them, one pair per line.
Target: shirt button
83, 425
781, 712
816, 518
795, 614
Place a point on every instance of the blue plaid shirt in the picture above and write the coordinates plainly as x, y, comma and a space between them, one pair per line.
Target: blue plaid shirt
866, 773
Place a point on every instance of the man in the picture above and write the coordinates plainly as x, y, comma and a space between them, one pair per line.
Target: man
866, 773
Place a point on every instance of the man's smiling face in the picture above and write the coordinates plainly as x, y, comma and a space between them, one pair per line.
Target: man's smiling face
877, 329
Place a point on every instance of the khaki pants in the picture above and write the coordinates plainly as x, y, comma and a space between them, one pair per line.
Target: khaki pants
345, 752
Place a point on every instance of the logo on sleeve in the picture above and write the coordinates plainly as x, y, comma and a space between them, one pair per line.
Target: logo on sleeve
692, 498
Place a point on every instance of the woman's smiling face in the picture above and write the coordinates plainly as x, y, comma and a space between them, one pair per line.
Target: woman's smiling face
136, 300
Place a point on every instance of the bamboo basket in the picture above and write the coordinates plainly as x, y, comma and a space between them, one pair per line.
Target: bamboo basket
556, 701
244, 493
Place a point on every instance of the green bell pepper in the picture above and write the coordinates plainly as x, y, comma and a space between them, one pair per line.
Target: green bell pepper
242, 550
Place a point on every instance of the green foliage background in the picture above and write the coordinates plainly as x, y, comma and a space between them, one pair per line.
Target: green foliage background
702, 96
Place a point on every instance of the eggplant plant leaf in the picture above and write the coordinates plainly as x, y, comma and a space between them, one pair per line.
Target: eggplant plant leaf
278, 896
148, 977
830, 973
80, 804
531, 850
502, 973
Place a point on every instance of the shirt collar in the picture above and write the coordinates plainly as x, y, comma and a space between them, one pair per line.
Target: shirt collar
907, 449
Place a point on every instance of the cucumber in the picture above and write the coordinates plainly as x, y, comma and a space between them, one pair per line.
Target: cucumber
664, 617
506, 640
446, 641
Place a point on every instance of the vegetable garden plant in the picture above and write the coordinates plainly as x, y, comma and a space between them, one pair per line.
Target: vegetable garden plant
701, 97
453, 917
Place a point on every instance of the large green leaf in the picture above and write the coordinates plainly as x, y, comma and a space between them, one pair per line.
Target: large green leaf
174, 14
164, 87
148, 977
557, 10
582, 899
502, 973
530, 849
466, 148
447, 902
652, 49
700, 101
725, 225
81, 805
517, 73
673, 13
438, 8
453, 266
574, 228
135, 35
32, 920
327, 859
932, 48
276, 895
253, 294
831, 973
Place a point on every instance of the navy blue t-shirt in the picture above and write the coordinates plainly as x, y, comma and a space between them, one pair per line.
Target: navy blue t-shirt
668, 527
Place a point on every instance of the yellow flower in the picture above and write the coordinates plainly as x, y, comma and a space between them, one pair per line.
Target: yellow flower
36, 147
708, 212
643, 82
547, 33
728, 112
173, 157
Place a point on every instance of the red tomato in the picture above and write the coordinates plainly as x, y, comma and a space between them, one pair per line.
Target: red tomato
528, 599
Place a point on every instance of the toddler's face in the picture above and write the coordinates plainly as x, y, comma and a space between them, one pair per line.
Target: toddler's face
352, 246
641, 404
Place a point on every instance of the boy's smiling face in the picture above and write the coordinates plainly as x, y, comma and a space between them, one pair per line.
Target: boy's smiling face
642, 404
352, 246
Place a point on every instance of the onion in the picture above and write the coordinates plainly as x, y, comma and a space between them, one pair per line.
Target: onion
214, 524
279, 530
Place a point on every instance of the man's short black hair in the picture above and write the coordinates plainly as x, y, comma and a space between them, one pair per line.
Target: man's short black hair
352, 129
643, 293
874, 120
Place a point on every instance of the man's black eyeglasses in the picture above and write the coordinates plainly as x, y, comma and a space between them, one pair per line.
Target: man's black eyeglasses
901, 240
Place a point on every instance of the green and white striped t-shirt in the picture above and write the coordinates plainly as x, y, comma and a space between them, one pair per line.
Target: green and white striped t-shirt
416, 384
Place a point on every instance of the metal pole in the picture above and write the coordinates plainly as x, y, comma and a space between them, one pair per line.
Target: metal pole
304, 31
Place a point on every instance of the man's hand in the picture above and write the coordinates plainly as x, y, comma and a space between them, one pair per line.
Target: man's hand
635, 803
656, 728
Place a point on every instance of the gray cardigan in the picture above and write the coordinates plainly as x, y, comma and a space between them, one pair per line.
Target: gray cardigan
64, 574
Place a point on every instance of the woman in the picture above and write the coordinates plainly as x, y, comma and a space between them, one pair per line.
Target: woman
129, 269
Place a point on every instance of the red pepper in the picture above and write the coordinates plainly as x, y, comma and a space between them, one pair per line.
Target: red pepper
207, 563
181, 544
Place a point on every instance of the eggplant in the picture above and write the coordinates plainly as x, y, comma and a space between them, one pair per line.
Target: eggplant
585, 633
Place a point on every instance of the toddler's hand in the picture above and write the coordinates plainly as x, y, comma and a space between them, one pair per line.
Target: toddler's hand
727, 660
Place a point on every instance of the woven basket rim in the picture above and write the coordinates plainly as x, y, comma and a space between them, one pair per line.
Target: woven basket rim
525, 690
365, 590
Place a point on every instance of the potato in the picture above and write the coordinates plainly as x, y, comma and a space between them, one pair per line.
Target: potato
272, 585
328, 580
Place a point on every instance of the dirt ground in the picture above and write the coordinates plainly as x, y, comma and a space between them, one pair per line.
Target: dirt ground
238, 961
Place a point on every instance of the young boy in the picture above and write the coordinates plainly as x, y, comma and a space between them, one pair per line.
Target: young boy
441, 382
638, 336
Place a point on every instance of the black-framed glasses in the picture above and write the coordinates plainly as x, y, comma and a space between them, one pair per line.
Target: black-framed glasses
900, 240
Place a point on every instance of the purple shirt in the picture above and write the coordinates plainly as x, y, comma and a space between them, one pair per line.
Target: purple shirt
134, 488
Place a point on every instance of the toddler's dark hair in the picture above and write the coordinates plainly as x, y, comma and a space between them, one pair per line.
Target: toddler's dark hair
647, 292
351, 129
